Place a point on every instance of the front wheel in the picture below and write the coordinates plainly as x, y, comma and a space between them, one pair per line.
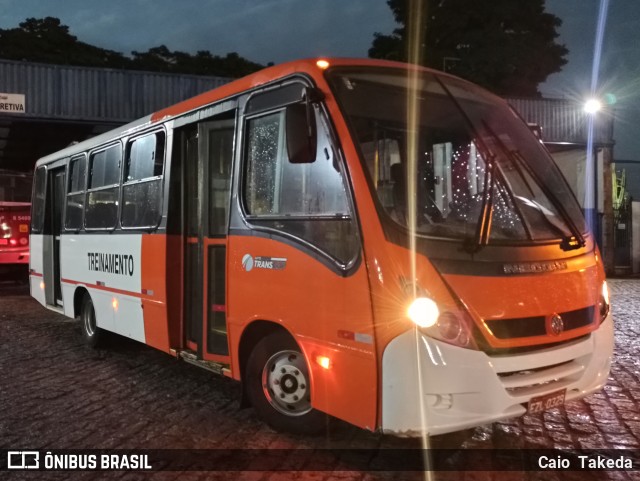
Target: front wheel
277, 383
93, 335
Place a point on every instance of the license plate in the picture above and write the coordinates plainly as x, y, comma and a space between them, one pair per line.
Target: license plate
548, 401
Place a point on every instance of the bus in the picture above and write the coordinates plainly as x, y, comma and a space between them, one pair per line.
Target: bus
15, 218
362, 239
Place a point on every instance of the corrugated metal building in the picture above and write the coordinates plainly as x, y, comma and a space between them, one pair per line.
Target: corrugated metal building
565, 121
96, 94
62, 104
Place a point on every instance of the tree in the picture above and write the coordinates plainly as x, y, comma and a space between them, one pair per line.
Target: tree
47, 40
202, 63
506, 46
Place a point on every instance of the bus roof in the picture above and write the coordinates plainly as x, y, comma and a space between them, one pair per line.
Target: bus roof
307, 66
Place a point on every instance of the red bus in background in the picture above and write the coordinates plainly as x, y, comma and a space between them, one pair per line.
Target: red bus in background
15, 217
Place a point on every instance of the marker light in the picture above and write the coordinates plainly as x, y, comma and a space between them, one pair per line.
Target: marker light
114, 303
323, 64
323, 361
592, 106
604, 301
42, 285
424, 312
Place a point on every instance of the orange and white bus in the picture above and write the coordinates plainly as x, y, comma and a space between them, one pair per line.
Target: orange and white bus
382, 243
15, 217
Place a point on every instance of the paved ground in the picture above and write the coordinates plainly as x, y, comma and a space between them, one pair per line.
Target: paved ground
55, 393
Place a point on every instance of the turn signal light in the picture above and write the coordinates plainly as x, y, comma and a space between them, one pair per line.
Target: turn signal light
324, 361
603, 302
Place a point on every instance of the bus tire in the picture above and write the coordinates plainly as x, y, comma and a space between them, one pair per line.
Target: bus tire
93, 335
277, 384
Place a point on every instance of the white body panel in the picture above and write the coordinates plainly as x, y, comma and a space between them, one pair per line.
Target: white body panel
109, 265
432, 387
36, 266
114, 285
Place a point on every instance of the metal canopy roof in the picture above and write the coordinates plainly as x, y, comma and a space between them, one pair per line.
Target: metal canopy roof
64, 104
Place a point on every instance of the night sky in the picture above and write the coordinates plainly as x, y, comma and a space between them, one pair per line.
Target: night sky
279, 30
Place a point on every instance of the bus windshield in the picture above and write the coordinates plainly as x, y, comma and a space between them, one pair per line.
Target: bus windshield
15, 187
475, 160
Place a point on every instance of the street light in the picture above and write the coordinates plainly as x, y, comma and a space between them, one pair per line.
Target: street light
592, 106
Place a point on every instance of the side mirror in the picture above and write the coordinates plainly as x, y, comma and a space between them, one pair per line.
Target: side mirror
301, 129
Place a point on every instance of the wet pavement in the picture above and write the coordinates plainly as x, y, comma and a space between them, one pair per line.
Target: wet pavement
56, 393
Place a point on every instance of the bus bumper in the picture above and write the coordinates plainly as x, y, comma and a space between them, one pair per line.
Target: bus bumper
452, 388
14, 256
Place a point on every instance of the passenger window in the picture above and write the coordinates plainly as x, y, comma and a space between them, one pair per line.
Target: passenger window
102, 199
142, 188
307, 200
76, 192
145, 157
220, 151
105, 167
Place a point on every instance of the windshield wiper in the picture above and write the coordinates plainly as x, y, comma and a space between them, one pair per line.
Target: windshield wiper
576, 239
483, 226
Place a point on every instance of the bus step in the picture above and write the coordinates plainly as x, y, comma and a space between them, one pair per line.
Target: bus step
217, 367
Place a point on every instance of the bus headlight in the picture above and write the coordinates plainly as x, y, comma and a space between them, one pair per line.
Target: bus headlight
423, 312
448, 326
603, 302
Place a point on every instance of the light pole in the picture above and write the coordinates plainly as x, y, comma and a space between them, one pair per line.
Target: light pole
591, 107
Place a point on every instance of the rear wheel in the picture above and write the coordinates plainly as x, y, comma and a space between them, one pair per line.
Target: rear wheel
93, 335
277, 383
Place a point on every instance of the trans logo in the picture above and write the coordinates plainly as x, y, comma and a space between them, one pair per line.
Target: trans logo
271, 263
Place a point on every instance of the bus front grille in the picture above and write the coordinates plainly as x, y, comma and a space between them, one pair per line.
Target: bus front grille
537, 326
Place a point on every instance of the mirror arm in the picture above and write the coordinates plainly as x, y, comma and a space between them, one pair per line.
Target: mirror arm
311, 95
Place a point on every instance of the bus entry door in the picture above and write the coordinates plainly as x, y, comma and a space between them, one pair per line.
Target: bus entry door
53, 229
207, 194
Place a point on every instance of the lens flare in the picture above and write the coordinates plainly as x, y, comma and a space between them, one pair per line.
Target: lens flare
423, 312
592, 106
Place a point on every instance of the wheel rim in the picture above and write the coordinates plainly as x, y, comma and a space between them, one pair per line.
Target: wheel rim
285, 382
89, 319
